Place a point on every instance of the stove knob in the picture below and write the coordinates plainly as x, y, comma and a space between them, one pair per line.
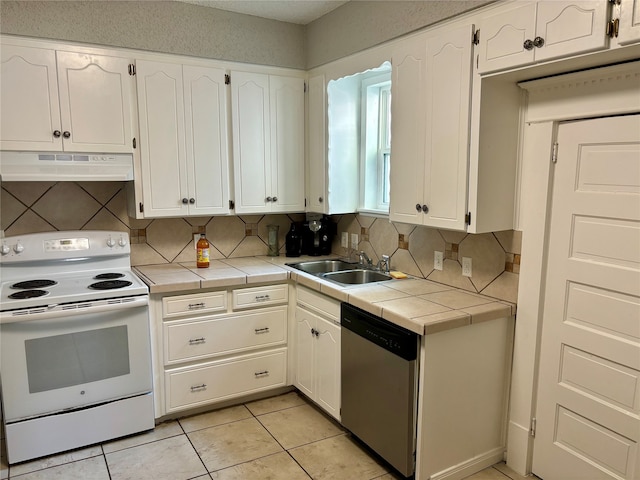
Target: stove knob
111, 243
18, 248
122, 242
5, 249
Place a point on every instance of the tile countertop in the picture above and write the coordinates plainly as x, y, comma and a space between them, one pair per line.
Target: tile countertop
416, 304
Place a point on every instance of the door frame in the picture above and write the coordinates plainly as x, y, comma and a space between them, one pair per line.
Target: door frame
593, 93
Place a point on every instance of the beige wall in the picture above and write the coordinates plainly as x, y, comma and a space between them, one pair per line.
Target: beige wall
168, 27
361, 24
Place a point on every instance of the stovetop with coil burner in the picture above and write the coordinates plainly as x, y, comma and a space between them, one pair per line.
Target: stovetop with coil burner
66, 267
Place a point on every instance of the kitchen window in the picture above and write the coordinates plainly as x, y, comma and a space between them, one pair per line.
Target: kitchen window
375, 160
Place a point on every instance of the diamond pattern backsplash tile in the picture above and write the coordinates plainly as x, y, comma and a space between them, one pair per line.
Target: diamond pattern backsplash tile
29, 207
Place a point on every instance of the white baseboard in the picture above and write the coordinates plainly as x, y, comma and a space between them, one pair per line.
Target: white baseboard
518, 448
470, 466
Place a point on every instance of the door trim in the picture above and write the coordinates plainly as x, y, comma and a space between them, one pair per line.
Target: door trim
599, 92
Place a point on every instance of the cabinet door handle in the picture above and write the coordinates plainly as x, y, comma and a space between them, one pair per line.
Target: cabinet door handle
274, 199
196, 341
418, 207
198, 388
192, 201
262, 298
261, 330
320, 199
269, 199
57, 133
196, 306
66, 134
528, 44
263, 373
425, 209
185, 200
538, 42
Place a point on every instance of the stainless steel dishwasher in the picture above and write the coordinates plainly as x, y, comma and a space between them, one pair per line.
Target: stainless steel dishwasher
379, 385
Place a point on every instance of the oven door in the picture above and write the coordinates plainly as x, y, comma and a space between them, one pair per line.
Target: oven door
72, 359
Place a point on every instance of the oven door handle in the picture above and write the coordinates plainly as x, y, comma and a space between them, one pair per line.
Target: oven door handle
73, 310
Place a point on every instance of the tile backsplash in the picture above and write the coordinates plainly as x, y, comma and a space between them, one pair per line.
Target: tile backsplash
28, 207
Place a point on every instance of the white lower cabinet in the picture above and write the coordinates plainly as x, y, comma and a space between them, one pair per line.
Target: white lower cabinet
317, 350
213, 353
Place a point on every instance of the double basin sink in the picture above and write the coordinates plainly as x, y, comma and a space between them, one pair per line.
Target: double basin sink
341, 272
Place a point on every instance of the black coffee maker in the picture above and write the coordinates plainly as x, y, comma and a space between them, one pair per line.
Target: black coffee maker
317, 236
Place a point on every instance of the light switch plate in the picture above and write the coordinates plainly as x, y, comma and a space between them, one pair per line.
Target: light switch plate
345, 240
354, 241
437, 260
466, 266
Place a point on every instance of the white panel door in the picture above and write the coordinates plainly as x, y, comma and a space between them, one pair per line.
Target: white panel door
30, 110
407, 131
162, 145
629, 22
588, 408
327, 346
287, 144
570, 28
206, 139
317, 146
448, 103
95, 102
251, 141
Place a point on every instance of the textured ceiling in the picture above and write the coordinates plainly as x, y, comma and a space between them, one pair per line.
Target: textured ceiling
293, 11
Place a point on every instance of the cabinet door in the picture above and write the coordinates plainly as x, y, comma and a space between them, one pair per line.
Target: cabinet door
287, 143
570, 28
317, 146
162, 145
629, 22
327, 366
303, 351
407, 131
448, 111
251, 142
95, 102
207, 153
30, 110
503, 36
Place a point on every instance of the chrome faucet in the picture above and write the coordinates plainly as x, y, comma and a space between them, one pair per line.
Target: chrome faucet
363, 259
383, 264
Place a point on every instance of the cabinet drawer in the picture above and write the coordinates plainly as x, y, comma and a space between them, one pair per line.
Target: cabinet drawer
319, 303
187, 340
214, 381
260, 296
197, 303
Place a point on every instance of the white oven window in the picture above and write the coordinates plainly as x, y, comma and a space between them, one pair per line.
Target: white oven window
76, 358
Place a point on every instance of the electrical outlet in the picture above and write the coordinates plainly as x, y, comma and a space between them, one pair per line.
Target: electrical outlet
196, 237
345, 240
466, 266
354, 241
437, 260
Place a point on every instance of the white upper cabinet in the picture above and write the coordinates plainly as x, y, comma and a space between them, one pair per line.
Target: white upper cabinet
629, 28
539, 31
268, 142
431, 108
65, 101
317, 200
183, 139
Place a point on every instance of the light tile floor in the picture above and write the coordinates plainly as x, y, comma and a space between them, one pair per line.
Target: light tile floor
278, 438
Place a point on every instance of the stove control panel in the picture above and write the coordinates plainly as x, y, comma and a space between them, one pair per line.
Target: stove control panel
66, 244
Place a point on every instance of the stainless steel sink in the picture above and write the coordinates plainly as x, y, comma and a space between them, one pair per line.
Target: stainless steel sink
316, 267
356, 277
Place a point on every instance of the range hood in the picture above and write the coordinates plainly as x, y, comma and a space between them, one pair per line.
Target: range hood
57, 167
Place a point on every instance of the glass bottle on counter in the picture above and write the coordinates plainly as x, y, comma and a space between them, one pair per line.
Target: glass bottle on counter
272, 240
202, 252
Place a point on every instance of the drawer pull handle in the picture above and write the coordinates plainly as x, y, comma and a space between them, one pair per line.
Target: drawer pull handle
198, 388
262, 330
195, 306
196, 341
264, 373
262, 298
